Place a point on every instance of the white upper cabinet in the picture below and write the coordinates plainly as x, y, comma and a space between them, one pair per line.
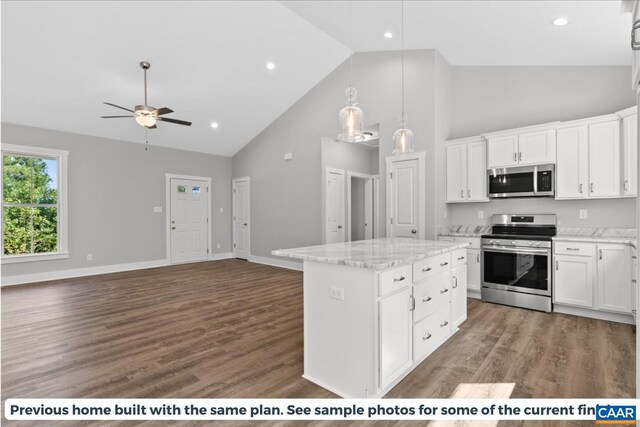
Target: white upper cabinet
629, 152
466, 170
588, 158
532, 145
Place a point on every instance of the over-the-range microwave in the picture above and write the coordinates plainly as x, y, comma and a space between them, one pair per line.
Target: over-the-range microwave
522, 181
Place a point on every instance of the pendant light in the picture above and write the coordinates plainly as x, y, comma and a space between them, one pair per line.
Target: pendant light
351, 116
403, 137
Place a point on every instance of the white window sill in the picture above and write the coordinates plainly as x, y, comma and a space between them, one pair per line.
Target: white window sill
14, 259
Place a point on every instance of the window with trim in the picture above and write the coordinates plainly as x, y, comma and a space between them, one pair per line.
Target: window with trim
34, 209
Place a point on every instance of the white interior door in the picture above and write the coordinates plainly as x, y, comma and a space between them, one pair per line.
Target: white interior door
241, 213
404, 200
335, 207
368, 209
189, 209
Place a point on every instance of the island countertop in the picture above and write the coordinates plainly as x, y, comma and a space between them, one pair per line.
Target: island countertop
376, 254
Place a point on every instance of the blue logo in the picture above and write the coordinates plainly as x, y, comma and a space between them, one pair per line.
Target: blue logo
615, 414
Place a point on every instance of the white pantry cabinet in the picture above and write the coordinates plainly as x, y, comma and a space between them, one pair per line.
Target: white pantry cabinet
466, 172
532, 145
588, 158
629, 152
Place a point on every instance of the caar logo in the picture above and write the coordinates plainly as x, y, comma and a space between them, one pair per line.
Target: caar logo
615, 414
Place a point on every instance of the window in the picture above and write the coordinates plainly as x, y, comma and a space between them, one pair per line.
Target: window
34, 220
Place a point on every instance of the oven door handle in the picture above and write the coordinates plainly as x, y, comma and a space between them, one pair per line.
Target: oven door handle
509, 250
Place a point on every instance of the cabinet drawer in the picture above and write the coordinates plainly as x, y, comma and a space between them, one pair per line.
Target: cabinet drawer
458, 257
431, 295
474, 242
431, 332
391, 280
431, 266
574, 248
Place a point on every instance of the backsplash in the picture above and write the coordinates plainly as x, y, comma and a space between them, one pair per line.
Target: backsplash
597, 232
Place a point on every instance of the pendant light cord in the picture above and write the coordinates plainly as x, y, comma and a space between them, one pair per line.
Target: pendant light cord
402, 53
350, 43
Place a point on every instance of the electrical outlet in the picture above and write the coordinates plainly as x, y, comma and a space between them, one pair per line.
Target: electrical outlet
157, 209
480, 214
89, 257
336, 293
221, 210
444, 213
218, 246
583, 214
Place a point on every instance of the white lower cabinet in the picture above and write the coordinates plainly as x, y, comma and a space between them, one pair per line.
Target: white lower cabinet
459, 295
395, 335
473, 270
430, 332
594, 276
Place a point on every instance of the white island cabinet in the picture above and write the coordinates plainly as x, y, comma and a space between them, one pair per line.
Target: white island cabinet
375, 309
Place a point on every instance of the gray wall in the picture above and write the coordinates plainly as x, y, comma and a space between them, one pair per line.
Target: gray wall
487, 99
357, 209
286, 201
349, 157
113, 187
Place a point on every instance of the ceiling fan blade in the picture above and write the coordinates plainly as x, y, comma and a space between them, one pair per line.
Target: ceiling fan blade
114, 117
117, 106
163, 110
178, 122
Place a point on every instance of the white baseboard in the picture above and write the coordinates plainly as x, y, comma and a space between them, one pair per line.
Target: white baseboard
91, 271
473, 294
291, 265
594, 314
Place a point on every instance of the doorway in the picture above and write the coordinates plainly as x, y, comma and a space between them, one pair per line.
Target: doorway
241, 188
406, 196
188, 212
362, 206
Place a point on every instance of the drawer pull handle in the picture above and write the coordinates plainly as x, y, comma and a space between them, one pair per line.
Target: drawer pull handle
399, 279
426, 336
442, 264
573, 249
427, 299
442, 325
444, 291
460, 258
425, 270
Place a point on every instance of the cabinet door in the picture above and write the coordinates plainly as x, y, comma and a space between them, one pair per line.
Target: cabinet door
458, 295
477, 172
456, 173
473, 270
572, 163
573, 280
502, 151
604, 159
614, 282
395, 337
630, 156
537, 147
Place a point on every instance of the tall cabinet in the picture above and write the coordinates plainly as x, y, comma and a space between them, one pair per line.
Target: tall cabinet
466, 170
629, 136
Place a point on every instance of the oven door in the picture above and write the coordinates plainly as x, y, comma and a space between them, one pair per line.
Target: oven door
524, 270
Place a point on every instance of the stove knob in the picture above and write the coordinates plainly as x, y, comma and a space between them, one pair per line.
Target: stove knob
513, 242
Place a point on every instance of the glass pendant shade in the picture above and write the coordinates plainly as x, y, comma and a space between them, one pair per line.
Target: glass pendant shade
403, 139
351, 119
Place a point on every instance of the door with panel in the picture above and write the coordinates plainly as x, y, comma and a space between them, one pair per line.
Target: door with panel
404, 203
537, 147
604, 159
572, 163
502, 151
457, 172
614, 280
189, 210
476, 175
368, 209
335, 207
241, 213
395, 335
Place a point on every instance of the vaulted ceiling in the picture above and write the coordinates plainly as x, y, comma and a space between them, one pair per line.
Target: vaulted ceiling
61, 60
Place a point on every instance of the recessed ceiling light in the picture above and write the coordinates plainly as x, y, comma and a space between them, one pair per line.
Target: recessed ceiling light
214, 125
271, 66
388, 35
560, 22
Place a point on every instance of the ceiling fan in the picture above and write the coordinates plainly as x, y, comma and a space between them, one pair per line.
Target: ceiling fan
146, 115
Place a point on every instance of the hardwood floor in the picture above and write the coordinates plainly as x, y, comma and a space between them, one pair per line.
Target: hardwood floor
234, 329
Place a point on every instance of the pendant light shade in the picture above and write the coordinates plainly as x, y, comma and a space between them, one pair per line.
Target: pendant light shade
350, 117
403, 138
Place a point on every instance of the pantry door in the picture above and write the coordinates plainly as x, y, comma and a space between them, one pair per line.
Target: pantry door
405, 196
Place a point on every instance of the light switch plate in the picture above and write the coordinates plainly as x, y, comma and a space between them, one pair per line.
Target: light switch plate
157, 209
336, 293
583, 214
89, 257
480, 214
221, 210
288, 156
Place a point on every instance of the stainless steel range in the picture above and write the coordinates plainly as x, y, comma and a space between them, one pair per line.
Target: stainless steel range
516, 261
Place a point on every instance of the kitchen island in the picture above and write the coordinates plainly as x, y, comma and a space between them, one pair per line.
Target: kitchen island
375, 309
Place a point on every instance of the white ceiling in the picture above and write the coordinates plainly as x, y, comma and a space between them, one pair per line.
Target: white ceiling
514, 32
61, 60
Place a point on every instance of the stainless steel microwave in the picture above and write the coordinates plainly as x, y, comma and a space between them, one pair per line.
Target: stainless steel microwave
523, 181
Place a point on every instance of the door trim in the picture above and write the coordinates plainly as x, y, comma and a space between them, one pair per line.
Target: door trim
352, 174
167, 208
389, 160
233, 213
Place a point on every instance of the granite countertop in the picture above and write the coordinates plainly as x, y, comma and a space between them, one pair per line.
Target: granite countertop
376, 254
625, 236
464, 230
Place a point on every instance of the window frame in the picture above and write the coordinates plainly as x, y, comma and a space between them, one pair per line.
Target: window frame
62, 157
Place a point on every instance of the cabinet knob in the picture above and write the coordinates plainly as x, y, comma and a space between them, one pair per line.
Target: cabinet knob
425, 270
442, 264
427, 299
399, 279
426, 336
444, 291
442, 325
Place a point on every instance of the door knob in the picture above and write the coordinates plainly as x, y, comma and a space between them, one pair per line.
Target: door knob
173, 228
414, 231
339, 226
245, 224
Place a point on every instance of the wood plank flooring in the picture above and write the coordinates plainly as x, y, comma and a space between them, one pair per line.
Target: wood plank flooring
234, 329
